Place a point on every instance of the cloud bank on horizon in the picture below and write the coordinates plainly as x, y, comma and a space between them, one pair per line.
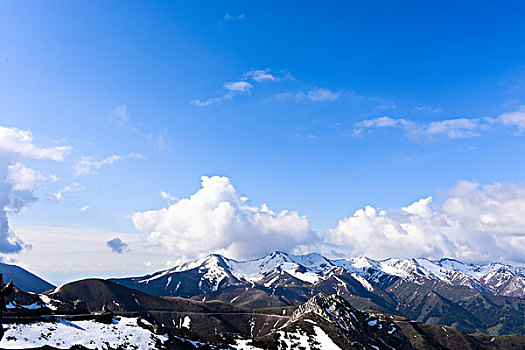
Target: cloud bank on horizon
475, 223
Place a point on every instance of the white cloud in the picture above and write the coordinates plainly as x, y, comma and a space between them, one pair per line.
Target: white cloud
166, 195
18, 142
452, 128
211, 101
22, 178
381, 122
119, 115
58, 197
318, 95
428, 109
239, 86
89, 165
232, 89
232, 17
455, 128
474, 224
516, 119
17, 182
84, 208
263, 75
218, 219
117, 245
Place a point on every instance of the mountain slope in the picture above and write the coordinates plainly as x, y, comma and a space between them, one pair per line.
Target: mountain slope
24, 279
323, 322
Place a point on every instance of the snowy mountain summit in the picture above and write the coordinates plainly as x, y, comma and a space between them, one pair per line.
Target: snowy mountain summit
215, 272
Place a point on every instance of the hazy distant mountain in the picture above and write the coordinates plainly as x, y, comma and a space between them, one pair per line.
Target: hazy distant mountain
24, 279
486, 298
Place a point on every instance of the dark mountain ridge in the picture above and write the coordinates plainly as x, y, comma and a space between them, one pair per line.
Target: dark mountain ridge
322, 322
24, 279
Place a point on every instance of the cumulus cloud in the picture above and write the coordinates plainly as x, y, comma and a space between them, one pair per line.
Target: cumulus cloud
17, 182
218, 219
117, 245
18, 142
475, 223
22, 178
89, 165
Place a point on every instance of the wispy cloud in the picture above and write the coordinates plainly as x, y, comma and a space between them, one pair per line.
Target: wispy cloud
456, 128
59, 196
513, 119
243, 86
452, 128
89, 165
229, 17
121, 117
230, 90
166, 195
263, 75
428, 109
316, 94
382, 122
84, 208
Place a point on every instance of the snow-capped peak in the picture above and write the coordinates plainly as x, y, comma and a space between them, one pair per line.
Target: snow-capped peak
494, 278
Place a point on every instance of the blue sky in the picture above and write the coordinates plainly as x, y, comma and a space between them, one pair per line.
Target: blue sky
319, 108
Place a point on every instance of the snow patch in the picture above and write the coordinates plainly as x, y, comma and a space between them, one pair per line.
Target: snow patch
186, 322
123, 332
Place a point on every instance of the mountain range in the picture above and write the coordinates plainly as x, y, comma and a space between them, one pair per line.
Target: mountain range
280, 301
487, 298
